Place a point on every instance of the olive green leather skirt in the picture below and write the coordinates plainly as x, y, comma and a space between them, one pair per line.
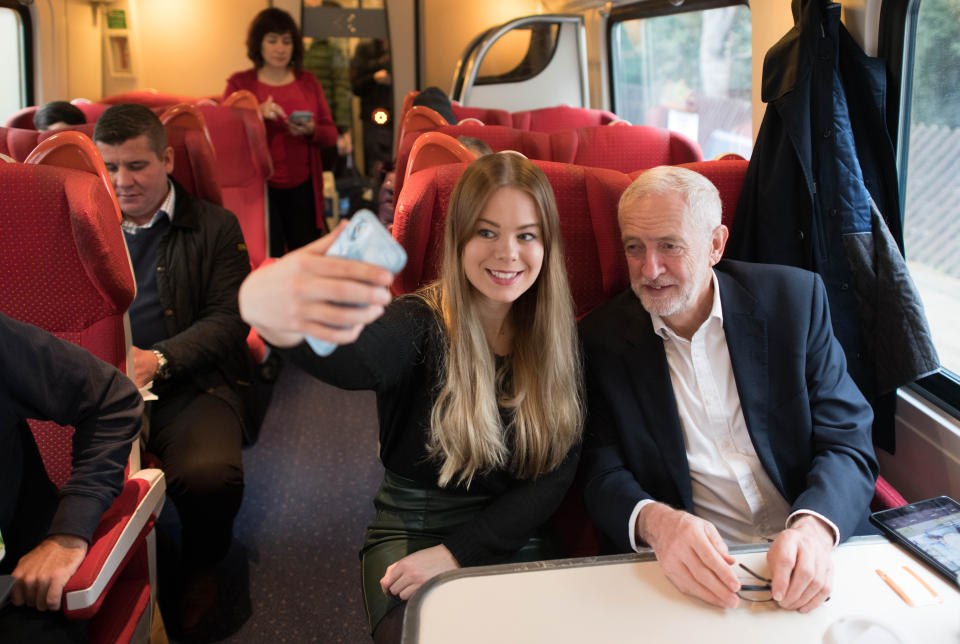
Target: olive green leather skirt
412, 517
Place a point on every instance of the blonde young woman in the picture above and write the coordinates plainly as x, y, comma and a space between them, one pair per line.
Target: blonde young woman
477, 379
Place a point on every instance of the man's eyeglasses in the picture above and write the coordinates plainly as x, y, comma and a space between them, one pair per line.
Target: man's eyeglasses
754, 592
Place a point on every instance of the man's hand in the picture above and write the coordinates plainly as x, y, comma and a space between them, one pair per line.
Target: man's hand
42, 573
302, 294
800, 565
691, 553
145, 366
404, 577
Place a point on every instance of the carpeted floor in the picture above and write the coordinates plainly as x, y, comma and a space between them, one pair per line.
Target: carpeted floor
293, 573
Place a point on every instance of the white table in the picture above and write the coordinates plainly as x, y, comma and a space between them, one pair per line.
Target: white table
626, 598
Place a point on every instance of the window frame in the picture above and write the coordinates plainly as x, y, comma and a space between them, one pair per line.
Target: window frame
896, 44
652, 9
26, 20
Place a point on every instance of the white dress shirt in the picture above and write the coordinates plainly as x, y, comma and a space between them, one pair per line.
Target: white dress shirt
731, 489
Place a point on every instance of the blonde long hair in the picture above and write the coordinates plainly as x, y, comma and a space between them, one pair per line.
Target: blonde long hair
542, 388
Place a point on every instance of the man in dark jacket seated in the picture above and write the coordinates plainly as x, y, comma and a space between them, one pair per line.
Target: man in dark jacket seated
45, 533
720, 408
189, 259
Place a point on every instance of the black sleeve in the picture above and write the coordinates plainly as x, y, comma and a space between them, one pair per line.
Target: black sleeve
381, 356
504, 526
219, 329
61, 382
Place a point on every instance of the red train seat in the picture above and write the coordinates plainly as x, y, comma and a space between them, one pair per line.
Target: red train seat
629, 148
60, 230
243, 166
195, 161
624, 148
17, 143
561, 117
486, 115
436, 148
22, 118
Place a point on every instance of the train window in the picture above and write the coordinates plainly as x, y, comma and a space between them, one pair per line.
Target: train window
685, 66
520, 54
15, 87
930, 165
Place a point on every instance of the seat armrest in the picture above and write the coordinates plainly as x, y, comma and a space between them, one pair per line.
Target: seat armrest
121, 529
885, 496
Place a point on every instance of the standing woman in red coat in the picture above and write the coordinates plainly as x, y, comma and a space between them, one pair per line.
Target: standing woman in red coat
286, 94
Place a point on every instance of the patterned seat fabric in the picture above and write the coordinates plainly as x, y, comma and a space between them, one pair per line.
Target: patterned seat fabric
17, 143
626, 148
243, 166
69, 274
488, 116
561, 117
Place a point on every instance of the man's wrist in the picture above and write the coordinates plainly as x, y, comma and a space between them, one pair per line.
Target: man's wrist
163, 367
647, 519
814, 526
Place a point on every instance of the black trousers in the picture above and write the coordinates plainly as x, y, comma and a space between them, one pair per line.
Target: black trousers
293, 217
36, 504
198, 437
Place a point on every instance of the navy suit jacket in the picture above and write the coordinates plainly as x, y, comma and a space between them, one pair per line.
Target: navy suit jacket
808, 422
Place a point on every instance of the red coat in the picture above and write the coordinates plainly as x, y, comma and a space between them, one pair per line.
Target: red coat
324, 133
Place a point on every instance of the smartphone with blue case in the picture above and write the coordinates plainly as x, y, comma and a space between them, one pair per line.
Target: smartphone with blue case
364, 239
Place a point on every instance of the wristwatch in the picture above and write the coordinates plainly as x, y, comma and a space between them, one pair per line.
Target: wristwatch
163, 369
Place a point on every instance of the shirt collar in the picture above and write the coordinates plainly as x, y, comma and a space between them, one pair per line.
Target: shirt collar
165, 209
716, 312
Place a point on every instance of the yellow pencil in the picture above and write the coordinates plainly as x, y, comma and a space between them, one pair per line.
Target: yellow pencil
922, 582
893, 585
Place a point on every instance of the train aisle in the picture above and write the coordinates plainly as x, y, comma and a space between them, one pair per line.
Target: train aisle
293, 571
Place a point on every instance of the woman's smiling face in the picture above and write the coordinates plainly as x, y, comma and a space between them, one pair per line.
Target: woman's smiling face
504, 255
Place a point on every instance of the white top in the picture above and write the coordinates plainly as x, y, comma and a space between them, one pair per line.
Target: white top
731, 489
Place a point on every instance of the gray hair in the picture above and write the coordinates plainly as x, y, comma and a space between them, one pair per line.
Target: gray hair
698, 192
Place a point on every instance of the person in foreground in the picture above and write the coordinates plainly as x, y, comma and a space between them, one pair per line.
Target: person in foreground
46, 532
720, 409
477, 379
188, 258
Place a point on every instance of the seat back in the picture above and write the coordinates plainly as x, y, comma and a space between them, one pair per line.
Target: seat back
243, 166
150, 98
626, 148
92, 110
727, 176
22, 118
73, 148
404, 108
17, 143
629, 148
65, 264
195, 161
419, 118
488, 116
560, 117
244, 99
435, 148
533, 145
